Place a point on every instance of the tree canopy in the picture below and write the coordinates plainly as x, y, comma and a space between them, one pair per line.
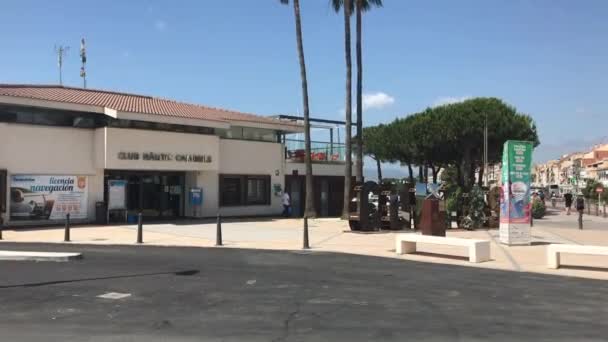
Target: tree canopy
452, 135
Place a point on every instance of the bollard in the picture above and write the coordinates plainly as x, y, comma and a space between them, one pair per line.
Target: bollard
66, 235
140, 228
218, 233
531, 220
580, 219
306, 244
604, 209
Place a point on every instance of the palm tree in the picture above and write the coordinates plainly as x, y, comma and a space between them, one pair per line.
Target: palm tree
348, 171
309, 208
358, 6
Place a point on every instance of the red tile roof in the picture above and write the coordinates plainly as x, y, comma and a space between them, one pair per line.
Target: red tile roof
125, 102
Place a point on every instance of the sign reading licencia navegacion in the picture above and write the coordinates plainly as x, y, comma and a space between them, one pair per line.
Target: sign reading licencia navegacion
153, 156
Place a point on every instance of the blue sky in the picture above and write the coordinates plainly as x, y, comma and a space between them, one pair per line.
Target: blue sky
549, 58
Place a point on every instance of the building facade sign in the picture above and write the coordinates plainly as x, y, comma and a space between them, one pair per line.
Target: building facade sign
179, 157
42, 197
131, 149
515, 205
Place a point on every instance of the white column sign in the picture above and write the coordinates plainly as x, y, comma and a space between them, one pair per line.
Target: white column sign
117, 190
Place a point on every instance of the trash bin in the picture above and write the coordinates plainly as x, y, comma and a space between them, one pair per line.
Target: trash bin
100, 213
132, 218
431, 220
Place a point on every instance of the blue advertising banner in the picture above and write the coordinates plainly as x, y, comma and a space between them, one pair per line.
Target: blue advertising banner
196, 196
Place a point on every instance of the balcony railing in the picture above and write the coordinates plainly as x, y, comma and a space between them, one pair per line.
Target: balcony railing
319, 151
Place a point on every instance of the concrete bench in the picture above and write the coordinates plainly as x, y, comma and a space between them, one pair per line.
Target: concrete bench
554, 251
479, 250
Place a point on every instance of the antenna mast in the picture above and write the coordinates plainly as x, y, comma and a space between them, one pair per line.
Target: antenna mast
61, 51
83, 58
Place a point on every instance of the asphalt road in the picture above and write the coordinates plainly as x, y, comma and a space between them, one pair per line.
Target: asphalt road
199, 294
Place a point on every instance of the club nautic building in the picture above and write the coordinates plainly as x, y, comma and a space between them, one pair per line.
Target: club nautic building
104, 155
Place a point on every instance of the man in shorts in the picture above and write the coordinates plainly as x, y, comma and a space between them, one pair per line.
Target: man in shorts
568, 202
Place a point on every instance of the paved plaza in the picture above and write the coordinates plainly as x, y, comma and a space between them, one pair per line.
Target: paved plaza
131, 293
333, 235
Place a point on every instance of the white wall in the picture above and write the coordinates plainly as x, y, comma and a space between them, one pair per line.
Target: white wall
46, 150
208, 181
251, 158
318, 169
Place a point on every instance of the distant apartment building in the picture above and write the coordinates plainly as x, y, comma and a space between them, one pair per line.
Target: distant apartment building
574, 169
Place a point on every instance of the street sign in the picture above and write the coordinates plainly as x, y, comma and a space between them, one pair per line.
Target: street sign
598, 189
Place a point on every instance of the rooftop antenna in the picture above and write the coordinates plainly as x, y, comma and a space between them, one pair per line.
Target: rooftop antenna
83, 59
61, 51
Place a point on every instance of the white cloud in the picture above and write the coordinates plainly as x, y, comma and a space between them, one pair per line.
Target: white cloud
377, 100
371, 101
448, 100
160, 25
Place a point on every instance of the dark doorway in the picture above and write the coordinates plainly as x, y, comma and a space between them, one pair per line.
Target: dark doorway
158, 195
329, 192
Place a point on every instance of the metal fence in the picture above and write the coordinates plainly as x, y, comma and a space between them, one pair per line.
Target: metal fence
320, 151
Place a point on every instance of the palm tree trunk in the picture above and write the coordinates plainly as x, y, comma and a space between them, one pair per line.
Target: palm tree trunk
348, 165
359, 159
466, 168
309, 208
379, 170
411, 173
426, 173
459, 175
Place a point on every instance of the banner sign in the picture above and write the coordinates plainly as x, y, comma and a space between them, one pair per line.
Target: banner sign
515, 204
40, 197
117, 191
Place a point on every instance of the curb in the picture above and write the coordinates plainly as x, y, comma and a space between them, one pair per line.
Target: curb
38, 256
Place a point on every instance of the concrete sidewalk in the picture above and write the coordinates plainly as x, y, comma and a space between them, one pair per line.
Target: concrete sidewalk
334, 235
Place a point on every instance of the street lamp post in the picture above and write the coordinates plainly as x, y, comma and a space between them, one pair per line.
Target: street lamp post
485, 151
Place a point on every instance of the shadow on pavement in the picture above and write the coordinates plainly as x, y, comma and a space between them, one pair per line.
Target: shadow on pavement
444, 256
55, 282
584, 268
541, 243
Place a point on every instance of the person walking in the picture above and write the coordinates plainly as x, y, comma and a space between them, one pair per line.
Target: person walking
286, 205
568, 202
541, 194
580, 207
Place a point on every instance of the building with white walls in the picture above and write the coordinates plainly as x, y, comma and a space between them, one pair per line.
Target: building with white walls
101, 154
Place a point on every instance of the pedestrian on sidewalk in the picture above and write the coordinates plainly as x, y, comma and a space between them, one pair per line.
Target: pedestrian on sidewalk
286, 205
580, 207
568, 202
541, 194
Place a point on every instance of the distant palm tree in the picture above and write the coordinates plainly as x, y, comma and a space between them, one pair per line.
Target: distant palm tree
359, 7
309, 208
